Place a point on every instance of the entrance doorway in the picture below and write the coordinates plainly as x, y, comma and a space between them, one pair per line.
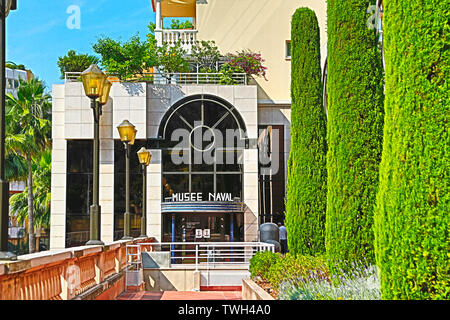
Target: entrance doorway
203, 227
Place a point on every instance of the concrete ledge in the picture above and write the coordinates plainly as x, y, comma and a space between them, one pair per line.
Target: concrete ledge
251, 291
25, 279
44, 257
101, 288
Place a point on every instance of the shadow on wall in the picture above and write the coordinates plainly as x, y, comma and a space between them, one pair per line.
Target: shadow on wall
133, 89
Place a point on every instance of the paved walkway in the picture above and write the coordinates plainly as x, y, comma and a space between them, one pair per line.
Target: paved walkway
181, 295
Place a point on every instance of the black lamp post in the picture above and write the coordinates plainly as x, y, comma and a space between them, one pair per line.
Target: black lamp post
6, 7
127, 134
96, 87
144, 158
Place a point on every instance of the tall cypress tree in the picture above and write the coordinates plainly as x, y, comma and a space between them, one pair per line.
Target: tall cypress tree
306, 185
412, 217
354, 132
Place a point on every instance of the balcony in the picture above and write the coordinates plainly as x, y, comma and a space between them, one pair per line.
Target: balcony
187, 38
176, 78
175, 9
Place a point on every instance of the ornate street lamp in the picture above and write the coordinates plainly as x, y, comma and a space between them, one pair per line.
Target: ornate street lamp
96, 87
144, 156
5, 7
127, 133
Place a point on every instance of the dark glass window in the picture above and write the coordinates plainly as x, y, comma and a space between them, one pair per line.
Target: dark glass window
78, 191
174, 183
229, 183
272, 186
120, 186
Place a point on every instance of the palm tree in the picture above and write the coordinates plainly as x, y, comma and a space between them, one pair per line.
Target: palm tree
28, 134
41, 194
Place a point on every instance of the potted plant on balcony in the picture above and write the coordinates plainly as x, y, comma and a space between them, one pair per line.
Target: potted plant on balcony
171, 60
250, 62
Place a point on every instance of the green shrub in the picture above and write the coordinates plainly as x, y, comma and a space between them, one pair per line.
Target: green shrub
75, 62
306, 183
412, 215
250, 62
293, 269
227, 71
260, 263
354, 132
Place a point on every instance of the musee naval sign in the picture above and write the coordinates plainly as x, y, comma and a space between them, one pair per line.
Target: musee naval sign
195, 197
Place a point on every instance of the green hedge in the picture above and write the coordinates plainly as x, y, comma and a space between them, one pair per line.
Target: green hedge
306, 184
412, 217
277, 269
354, 132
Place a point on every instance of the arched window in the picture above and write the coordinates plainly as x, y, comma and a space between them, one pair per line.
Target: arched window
202, 150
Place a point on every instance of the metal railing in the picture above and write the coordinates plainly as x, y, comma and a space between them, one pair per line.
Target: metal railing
208, 254
177, 78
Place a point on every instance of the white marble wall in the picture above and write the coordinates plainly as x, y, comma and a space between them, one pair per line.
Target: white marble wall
251, 195
59, 167
106, 183
154, 187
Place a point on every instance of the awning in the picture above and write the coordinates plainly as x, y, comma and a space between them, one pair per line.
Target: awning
202, 207
177, 8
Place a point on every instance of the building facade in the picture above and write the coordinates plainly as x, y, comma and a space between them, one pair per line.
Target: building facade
219, 152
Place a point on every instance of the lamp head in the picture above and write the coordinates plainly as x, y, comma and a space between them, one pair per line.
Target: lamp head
105, 94
93, 81
127, 132
144, 156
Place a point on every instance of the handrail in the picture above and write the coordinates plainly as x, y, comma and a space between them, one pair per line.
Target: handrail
181, 78
209, 253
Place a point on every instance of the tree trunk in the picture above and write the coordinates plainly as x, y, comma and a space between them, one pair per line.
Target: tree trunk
31, 234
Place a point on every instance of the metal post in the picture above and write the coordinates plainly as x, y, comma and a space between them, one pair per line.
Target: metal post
231, 235
95, 209
127, 196
173, 238
196, 257
4, 185
144, 202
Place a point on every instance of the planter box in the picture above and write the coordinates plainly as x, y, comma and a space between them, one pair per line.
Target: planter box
251, 291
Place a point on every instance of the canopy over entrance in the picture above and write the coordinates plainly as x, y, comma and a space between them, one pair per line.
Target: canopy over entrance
202, 207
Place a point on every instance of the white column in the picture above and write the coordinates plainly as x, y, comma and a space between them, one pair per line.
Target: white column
106, 187
158, 30
154, 199
158, 14
251, 223
59, 168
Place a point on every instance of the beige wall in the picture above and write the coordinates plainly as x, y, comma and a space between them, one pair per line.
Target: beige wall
261, 26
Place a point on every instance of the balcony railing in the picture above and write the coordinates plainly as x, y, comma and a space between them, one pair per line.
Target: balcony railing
178, 78
75, 273
207, 254
187, 38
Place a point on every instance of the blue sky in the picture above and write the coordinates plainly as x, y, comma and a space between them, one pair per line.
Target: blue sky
37, 33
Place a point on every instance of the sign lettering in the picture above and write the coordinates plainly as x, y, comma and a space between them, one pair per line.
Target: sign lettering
198, 197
